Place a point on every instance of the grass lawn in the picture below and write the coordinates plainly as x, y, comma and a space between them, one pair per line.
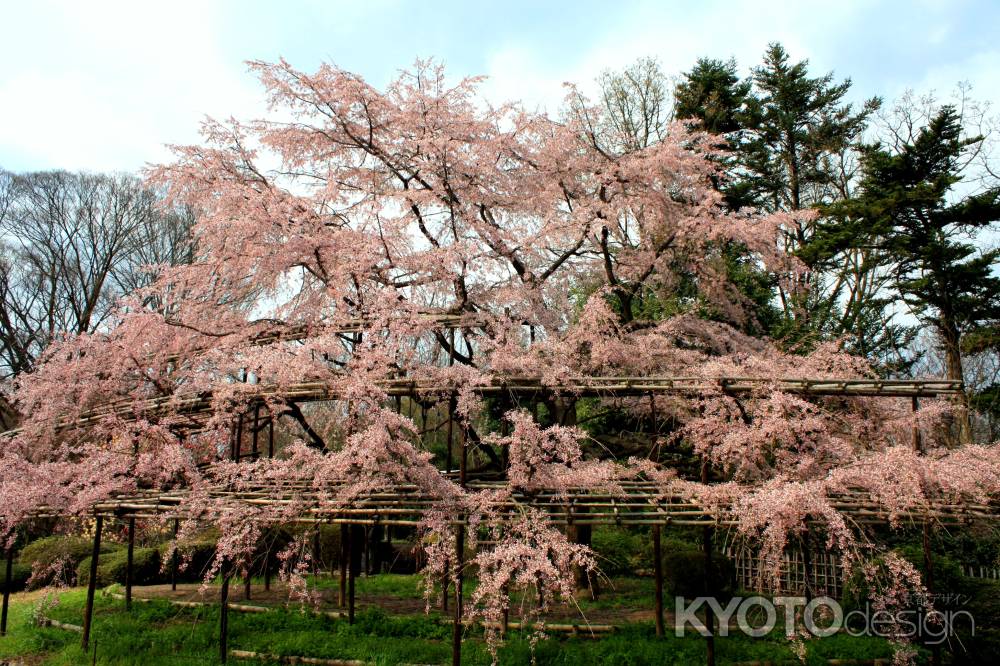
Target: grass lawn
160, 633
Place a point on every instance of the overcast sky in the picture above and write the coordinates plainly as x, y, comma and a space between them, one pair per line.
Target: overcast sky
104, 85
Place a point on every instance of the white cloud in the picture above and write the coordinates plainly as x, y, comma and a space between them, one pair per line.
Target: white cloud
982, 70
666, 31
105, 85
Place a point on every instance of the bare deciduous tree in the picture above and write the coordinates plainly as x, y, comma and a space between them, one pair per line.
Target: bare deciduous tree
71, 244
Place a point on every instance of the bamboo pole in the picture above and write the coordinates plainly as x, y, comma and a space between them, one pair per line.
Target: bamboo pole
224, 614
129, 559
88, 609
583, 386
174, 557
357, 539
706, 535
658, 580
7, 582
267, 566
345, 556
456, 632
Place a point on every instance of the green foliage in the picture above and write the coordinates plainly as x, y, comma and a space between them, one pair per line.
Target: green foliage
947, 572
798, 121
846, 648
111, 568
908, 209
197, 554
158, 633
981, 599
713, 94
71, 550
622, 551
974, 546
49, 549
684, 570
19, 575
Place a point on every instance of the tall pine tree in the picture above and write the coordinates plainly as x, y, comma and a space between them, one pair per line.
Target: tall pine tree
910, 209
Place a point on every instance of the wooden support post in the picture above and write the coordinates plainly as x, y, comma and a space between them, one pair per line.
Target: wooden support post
451, 401
463, 460
232, 442
317, 554
270, 436
445, 587
654, 450
247, 579
456, 629
254, 448
88, 610
706, 544
505, 622
658, 580
345, 558
709, 615
807, 579
129, 559
449, 462
8, 569
357, 542
375, 549
224, 615
918, 446
929, 583
175, 557
267, 568
238, 444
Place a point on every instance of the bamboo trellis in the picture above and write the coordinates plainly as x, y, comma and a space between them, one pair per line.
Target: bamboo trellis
202, 404
632, 503
639, 503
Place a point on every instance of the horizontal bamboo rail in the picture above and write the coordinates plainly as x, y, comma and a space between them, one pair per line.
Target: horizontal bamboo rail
201, 404
634, 502
49, 622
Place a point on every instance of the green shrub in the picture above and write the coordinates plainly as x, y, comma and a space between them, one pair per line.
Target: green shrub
111, 569
684, 570
981, 599
193, 559
621, 551
329, 546
48, 550
947, 571
947, 576
19, 575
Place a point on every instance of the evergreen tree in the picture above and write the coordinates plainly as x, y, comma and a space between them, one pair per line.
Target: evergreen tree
713, 96
910, 209
799, 155
803, 127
